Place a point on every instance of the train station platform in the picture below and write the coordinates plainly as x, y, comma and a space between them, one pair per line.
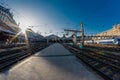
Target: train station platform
53, 63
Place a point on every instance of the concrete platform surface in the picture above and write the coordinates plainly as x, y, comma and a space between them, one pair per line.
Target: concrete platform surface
52, 63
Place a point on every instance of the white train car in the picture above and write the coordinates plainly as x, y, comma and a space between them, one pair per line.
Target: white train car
115, 41
106, 41
89, 42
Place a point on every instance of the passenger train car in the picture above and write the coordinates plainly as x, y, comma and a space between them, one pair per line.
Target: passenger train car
115, 41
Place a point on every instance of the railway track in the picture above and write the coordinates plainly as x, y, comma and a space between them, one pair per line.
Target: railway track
114, 48
107, 66
13, 55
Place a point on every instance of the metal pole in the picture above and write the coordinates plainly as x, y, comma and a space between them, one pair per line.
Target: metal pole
82, 33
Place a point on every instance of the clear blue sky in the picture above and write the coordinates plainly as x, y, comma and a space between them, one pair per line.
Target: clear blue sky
54, 15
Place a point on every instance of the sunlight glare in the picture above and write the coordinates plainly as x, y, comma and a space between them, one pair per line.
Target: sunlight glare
23, 29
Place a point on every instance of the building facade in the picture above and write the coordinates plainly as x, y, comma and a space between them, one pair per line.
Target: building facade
8, 26
115, 31
6, 18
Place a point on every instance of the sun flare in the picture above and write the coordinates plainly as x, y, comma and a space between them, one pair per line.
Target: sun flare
23, 29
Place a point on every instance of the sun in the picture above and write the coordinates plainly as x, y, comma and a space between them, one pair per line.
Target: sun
23, 29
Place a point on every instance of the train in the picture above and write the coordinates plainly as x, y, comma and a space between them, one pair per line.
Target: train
115, 41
